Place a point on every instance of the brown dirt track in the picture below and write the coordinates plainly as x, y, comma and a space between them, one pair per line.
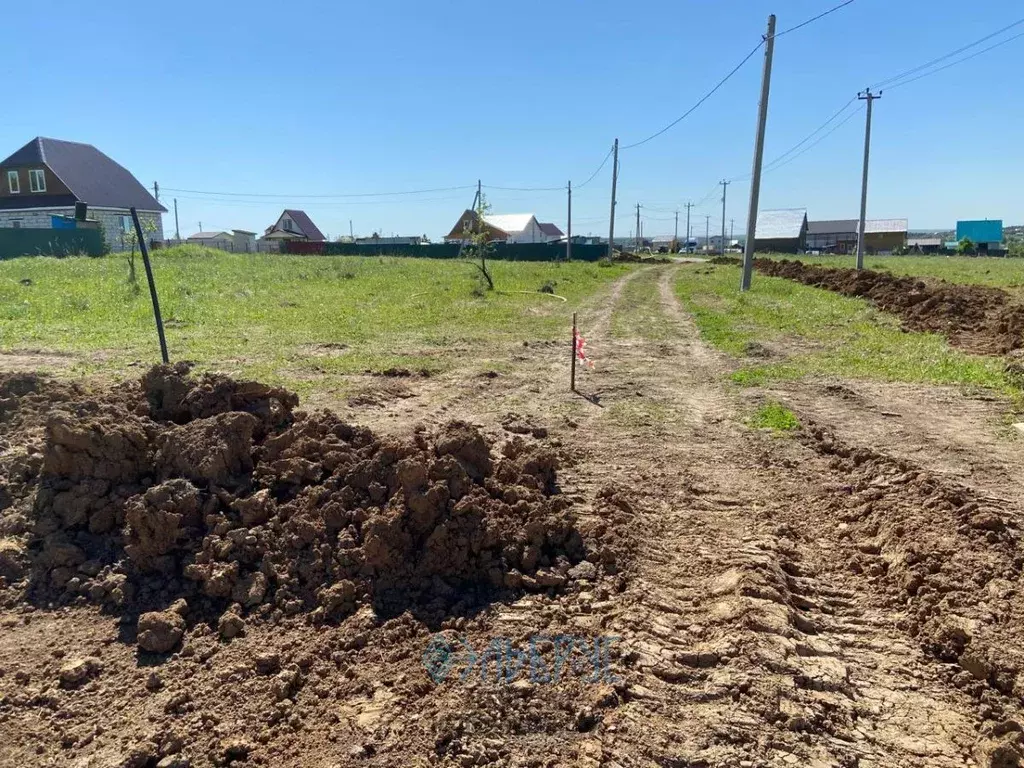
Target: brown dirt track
846, 598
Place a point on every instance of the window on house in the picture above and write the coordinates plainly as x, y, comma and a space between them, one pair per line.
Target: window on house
287, 225
37, 180
16, 224
13, 183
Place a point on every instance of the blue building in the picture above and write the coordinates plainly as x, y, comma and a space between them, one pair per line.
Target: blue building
986, 235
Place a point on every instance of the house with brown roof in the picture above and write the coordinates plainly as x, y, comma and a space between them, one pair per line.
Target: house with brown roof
42, 182
294, 225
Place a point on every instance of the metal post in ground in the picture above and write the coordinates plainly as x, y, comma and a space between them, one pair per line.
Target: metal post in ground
572, 368
152, 284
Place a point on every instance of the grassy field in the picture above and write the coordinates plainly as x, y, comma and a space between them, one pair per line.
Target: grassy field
798, 330
985, 270
286, 318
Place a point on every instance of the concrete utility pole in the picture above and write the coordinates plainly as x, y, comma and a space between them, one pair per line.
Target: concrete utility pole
755, 177
725, 185
200, 226
615, 181
568, 237
351, 234
688, 207
675, 236
177, 232
156, 191
707, 233
637, 226
869, 97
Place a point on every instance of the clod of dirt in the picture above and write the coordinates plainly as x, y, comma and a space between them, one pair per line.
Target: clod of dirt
518, 424
160, 631
77, 671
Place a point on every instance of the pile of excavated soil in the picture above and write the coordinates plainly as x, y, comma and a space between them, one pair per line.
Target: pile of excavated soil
219, 494
979, 318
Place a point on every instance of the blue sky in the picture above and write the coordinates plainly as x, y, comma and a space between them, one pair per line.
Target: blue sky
302, 98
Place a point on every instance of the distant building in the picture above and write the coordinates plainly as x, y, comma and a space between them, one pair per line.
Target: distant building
840, 235
294, 225
987, 235
45, 179
221, 240
925, 244
551, 231
781, 231
394, 240
507, 228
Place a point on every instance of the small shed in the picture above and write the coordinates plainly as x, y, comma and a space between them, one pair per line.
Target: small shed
987, 234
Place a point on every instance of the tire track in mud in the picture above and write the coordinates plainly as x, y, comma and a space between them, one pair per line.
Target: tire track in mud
746, 643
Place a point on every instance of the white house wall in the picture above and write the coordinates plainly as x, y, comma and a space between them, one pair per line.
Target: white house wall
532, 234
110, 220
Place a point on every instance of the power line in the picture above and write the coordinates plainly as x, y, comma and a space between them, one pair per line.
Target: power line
954, 63
350, 194
775, 165
811, 21
778, 160
594, 174
704, 98
895, 78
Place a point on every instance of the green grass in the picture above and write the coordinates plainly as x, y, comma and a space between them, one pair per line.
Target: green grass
775, 416
983, 270
809, 331
289, 319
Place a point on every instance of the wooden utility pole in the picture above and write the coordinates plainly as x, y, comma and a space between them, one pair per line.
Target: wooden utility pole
637, 245
177, 232
869, 97
568, 237
615, 181
755, 176
156, 191
725, 185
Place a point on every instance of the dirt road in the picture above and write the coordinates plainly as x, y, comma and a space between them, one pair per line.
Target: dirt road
845, 597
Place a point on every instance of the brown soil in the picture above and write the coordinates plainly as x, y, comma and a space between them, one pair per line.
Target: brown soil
980, 318
193, 572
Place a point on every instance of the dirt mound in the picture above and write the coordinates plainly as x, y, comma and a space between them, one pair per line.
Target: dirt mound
219, 493
979, 318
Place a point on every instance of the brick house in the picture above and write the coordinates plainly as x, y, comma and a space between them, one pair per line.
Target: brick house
46, 177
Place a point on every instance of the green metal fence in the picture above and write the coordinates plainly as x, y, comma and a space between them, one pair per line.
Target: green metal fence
501, 251
50, 242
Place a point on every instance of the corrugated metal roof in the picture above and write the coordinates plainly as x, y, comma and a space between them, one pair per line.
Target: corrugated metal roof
831, 227
878, 226
784, 224
924, 241
509, 222
549, 229
309, 229
210, 236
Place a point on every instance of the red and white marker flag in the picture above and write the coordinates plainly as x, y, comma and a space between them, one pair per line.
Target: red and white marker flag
581, 354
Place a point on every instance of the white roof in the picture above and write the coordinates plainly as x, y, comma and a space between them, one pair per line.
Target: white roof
509, 222
875, 226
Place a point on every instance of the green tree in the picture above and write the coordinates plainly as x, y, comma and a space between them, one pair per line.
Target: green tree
132, 239
477, 244
965, 247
